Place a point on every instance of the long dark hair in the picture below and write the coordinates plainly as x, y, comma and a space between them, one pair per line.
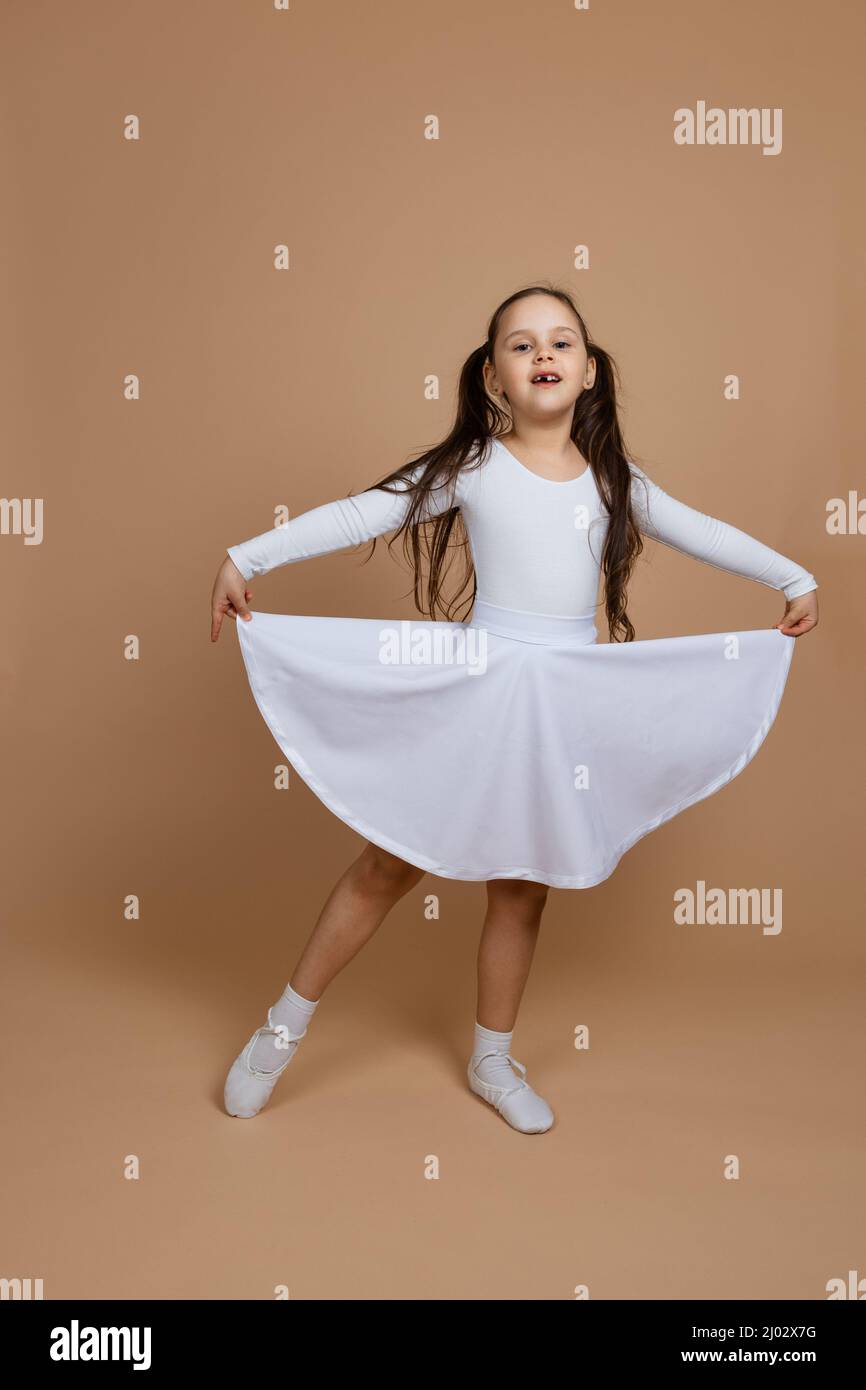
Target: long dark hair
595, 429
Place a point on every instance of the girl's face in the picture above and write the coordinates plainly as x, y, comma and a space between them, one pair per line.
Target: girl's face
539, 336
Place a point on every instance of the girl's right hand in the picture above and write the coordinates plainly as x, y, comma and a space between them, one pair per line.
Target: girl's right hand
229, 598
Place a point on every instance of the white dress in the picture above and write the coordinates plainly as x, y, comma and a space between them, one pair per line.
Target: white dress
513, 744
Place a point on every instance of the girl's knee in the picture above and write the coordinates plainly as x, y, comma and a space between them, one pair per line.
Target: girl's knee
518, 894
381, 871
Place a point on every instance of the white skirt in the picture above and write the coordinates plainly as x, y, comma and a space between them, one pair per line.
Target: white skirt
512, 745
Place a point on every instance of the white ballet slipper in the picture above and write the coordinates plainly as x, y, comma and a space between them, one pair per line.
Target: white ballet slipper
522, 1107
247, 1088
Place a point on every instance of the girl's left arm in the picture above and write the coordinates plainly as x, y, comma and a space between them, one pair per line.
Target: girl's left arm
714, 542
725, 547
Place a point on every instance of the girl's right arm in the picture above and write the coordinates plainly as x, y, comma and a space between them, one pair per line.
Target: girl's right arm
334, 526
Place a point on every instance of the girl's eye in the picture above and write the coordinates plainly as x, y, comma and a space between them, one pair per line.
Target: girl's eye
561, 343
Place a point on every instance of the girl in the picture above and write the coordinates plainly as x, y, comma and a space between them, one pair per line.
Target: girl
510, 747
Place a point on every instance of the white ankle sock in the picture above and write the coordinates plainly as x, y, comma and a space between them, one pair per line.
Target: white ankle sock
496, 1071
294, 1012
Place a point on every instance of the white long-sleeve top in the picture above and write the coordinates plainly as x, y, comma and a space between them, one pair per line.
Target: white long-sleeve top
536, 542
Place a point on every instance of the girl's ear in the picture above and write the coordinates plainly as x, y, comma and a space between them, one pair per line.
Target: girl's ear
489, 384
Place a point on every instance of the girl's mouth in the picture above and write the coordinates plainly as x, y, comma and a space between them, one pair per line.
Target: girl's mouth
546, 379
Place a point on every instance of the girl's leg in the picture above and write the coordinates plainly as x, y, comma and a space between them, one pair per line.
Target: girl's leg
514, 910
355, 907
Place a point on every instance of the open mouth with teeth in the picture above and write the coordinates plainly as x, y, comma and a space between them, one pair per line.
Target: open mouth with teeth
545, 379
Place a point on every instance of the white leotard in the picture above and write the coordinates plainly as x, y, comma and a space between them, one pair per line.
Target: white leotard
536, 543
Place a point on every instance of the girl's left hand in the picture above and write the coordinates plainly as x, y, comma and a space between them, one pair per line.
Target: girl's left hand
801, 615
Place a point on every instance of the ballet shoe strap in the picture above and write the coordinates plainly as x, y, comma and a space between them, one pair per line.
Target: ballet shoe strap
280, 1031
504, 1091
494, 1053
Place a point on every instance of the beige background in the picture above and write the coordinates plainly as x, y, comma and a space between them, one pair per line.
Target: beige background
154, 777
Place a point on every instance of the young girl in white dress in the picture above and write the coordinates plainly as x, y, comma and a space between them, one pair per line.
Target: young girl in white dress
509, 746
